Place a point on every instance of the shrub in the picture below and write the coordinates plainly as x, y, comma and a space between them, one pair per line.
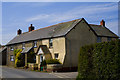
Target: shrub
43, 63
30, 57
19, 58
16, 51
53, 61
100, 61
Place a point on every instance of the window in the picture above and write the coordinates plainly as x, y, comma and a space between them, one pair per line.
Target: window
11, 58
35, 44
11, 48
23, 45
50, 43
56, 56
98, 39
109, 39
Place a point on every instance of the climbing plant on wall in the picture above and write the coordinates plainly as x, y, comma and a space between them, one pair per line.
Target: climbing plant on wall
19, 58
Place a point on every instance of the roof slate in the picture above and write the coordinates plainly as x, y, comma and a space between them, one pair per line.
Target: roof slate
2, 49
27, 49
57, 30
102, 31
53, 31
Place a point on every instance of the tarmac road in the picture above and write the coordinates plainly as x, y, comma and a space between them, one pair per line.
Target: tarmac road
12, 73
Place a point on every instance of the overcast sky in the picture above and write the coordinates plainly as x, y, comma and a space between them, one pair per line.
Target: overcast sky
19, 15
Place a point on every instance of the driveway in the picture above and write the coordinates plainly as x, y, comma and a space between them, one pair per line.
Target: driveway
24, 74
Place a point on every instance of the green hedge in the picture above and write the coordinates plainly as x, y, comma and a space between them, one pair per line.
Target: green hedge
52, 61
100, 61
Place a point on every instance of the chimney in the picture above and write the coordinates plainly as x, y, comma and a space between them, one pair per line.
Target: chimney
31, 28
102, 23
19, 32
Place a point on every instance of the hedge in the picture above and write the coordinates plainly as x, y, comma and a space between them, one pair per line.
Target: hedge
100, 61
53, 61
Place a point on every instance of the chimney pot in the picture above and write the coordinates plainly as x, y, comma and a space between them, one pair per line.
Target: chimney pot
102, 23
31, 28
19, 31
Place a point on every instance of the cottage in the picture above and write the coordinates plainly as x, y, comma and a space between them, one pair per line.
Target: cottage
61, 41
3, 55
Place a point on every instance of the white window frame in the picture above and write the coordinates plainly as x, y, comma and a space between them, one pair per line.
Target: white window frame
11, 58
11, 48
35, 44
56, 57
50, 43
23, 45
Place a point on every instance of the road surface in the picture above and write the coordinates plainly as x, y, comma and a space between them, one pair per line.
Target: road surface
24, 74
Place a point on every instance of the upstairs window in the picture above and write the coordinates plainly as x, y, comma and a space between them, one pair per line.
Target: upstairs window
35, 44
50, 43
99, 39
109, 39
23, 45
56, 55
11, 58
11, 48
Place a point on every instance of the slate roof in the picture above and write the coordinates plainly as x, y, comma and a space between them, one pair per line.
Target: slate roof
27, 49
45, 49
102, 31
58, 30
2, 49
52, 31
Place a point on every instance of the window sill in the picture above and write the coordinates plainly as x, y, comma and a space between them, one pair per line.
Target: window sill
50, 47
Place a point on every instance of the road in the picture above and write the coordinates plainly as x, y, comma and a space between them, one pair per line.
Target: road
24, 74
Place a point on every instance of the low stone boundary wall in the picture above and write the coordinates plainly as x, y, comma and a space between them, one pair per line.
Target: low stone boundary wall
33, 66
53, 67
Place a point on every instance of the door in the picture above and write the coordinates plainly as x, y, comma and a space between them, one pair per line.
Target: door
41, 58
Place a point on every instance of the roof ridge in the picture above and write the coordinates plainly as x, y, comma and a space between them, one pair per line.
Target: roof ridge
51, 26
95, 24
55, 25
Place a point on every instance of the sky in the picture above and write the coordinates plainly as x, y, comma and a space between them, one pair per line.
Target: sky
19, 15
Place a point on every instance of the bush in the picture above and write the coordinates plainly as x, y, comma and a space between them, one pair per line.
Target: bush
30, 57
43, 63
19, 58
100, 61
53, 61
16, 51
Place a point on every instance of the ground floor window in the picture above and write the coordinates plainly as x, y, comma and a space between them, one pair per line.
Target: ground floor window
99, 39
11, 58
56, 55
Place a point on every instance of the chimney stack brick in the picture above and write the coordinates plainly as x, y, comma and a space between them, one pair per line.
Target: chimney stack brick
19, 31
31, 28
102, 23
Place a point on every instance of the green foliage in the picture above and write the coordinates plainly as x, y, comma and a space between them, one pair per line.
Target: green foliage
100, 61
16, 51
53, 61
43, 63
30, 57
19, 58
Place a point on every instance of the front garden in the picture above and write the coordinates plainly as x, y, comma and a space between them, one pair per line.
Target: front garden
46, 65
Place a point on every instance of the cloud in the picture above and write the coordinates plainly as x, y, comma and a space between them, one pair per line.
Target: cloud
7, 37
38, 17
93, 12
